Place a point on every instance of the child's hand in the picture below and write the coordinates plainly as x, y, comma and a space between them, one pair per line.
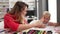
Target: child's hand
51, 24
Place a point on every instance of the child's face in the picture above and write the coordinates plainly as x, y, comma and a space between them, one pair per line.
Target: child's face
46, 18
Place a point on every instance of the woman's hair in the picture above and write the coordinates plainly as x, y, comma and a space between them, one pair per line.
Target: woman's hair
17, 9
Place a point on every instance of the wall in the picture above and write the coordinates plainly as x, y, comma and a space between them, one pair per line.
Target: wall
58, 10
41, 7
52, 4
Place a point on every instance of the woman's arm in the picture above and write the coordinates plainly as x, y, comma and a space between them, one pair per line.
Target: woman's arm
24, 27
19, 27
27, 26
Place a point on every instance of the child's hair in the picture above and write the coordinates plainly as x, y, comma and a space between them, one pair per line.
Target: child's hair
46, 13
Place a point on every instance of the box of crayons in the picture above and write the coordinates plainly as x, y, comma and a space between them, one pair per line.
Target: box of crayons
38, 32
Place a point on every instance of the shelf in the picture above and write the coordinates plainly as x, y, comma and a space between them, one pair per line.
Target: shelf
4, 4
4, 1
6, 7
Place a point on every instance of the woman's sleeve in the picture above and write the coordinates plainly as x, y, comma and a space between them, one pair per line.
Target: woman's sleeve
10, 23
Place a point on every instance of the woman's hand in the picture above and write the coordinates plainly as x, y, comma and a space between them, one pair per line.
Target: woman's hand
39, 25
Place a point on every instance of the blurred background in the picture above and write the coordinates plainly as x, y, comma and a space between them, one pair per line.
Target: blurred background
35, 9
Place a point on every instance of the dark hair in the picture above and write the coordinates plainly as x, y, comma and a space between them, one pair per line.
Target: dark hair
17, 9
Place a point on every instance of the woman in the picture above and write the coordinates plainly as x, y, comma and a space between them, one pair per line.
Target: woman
15, 19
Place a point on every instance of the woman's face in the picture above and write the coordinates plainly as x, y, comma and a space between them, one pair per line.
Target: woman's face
24, 11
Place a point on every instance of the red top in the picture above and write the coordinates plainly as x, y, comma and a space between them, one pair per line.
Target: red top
10, 23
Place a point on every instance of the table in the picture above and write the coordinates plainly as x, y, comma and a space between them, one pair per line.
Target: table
48, 28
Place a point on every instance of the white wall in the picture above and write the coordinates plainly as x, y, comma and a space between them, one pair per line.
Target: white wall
52, 7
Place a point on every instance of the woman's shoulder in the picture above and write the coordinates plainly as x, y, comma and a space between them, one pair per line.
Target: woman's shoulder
7, 15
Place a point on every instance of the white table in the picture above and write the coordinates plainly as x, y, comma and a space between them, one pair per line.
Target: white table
48, 28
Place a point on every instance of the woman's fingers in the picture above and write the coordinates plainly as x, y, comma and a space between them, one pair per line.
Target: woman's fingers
40, 26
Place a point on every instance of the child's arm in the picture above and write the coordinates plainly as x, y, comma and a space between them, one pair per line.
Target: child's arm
52, 24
